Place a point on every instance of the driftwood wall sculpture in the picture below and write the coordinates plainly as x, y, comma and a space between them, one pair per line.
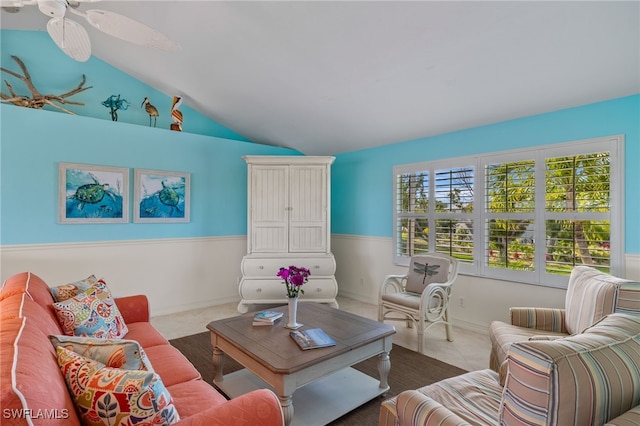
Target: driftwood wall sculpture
37, 99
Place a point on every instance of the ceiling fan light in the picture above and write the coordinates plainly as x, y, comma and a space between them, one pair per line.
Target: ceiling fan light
70, 37
53, 8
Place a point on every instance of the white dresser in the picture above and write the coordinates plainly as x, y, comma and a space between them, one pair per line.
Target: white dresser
288, 223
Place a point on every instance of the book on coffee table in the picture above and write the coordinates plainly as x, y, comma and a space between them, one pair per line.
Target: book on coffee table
266, 317
312, 338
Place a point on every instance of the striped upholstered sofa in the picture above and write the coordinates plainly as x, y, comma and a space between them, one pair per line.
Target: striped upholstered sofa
591, 294
591, 378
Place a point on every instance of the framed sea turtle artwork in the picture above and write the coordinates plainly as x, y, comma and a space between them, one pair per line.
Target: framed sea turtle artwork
161, 196
92, 194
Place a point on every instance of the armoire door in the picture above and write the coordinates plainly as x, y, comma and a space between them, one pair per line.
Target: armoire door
269, 208
308, 209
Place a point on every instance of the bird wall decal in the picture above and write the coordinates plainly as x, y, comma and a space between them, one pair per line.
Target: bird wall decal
151, 110
176, 114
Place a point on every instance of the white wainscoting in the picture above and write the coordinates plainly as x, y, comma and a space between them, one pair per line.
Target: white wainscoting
176, 274
191, 273
363, 262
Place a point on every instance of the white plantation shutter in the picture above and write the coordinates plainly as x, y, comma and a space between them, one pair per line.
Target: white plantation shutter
527, 215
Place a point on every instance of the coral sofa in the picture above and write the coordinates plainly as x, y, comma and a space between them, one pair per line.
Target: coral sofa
34, 390
591, 378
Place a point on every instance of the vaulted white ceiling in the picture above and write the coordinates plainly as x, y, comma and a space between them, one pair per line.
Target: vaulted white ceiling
329, 77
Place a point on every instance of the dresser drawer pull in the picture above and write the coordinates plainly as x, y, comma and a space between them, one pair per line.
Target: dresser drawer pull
261, 267
258, 290
318, 290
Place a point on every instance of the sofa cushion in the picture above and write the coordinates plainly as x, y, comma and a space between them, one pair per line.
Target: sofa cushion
630, 418
188, 397
92, 313
503, 335
591, 295
30, 376
171, 365
125, 354
542, 375
145, 334
67, 291
21, 305
105, 395
29, 283
474, 396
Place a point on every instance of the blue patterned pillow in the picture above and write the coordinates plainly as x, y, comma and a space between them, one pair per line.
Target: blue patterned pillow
92, 313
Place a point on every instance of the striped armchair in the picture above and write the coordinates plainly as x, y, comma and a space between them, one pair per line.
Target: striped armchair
591, 295
591, 378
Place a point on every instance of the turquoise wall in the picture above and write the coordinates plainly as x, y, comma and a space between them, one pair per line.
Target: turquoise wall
33, 142
53, 72
362, 189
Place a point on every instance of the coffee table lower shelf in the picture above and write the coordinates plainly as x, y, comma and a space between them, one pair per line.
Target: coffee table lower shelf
316, 403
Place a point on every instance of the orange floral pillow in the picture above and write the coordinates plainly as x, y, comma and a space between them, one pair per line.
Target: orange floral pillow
104, 395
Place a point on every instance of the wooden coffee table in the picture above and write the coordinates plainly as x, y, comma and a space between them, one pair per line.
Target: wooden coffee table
325, 385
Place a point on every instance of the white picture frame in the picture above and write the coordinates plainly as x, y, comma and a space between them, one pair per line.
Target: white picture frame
161, 196
92, 194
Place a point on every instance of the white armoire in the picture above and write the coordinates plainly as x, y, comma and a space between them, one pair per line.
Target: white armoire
288, 223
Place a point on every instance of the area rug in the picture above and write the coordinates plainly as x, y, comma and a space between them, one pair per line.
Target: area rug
409, 370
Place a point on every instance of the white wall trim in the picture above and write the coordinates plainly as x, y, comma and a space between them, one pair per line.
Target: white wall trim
89, 244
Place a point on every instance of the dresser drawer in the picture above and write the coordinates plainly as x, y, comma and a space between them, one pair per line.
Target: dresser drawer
269, 267
253, 289
320, 288
274, 289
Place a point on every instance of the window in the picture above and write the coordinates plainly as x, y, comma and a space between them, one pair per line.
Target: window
524, 215
449, 215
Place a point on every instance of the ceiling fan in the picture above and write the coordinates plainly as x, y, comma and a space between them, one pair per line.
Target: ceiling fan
74, 40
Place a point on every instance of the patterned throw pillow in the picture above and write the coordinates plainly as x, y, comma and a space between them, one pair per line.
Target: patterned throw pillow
67, 291
110, 396
92, 313
124, 354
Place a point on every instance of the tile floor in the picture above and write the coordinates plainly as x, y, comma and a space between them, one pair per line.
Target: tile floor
469, 349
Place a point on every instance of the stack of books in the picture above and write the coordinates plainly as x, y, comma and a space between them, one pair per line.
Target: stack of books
266, 317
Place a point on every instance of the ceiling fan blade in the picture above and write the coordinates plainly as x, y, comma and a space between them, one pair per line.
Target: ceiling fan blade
70, 37
128, 29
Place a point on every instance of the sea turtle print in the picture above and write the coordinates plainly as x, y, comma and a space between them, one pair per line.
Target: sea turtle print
162, 197
92, 193
168, 196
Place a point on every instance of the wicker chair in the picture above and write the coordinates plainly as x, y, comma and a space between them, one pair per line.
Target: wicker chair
421, 296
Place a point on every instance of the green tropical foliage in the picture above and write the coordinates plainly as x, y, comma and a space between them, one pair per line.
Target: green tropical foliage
576, 202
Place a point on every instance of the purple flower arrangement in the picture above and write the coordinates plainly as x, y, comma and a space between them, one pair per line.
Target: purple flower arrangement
294, 277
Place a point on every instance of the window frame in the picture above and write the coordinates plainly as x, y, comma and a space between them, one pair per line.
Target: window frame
612, 144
